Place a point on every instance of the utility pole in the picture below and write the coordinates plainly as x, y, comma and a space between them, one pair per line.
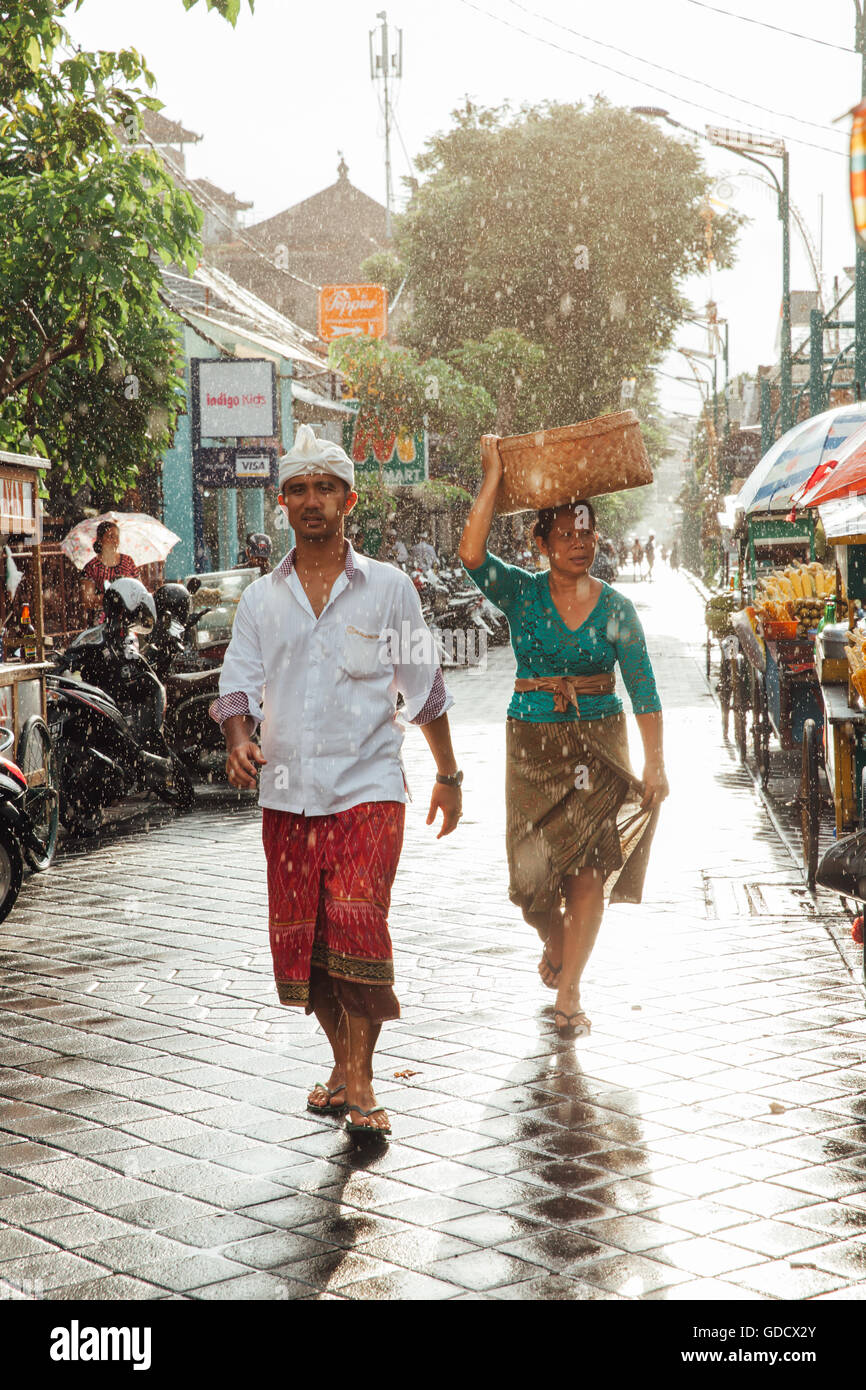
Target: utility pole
747, 145
385, 65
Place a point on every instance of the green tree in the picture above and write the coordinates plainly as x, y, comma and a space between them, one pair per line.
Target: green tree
229, 9
572, 226
398, 393
383, 268
510, 369
90, 365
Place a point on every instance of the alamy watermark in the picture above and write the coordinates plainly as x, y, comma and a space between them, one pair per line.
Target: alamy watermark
423, 646
28, 1290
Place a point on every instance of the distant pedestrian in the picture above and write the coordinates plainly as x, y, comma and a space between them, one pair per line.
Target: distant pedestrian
675, 555
637, 559
423, 553
604, 564
650, 555
574, 828
393, 551
307, 658
257, 553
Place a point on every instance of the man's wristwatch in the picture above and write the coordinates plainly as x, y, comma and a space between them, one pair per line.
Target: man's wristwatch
450, 779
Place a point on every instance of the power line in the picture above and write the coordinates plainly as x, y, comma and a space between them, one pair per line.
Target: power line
672, 72
409, 160
765, 24
630, 77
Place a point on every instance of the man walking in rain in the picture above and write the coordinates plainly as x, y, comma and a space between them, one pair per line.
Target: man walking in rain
320, 649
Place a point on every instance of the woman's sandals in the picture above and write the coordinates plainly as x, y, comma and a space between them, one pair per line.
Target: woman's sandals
328, 1107
548, 971
576, 1025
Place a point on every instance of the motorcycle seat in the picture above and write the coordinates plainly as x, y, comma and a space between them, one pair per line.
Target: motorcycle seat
61, 679
184, 679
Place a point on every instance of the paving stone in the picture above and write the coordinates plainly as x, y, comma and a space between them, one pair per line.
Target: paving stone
73, 1232
112, 1288
553, 1288
52, 1270
482, 1269
252, 1286
398, 1285
633, 1276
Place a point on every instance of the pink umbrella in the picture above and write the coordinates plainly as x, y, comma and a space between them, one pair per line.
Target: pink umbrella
142, 537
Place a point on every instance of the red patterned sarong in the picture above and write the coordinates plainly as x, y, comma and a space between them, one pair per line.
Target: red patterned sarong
329, 890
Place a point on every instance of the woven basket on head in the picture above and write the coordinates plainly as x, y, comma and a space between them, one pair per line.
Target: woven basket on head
551, 467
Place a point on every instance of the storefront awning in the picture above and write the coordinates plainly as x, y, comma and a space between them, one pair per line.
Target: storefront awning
323, 403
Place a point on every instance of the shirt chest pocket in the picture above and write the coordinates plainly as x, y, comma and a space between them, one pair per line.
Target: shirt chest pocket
362, 656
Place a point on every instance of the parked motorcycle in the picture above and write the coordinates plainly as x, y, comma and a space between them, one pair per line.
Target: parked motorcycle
29, 804
191, 682
106, 713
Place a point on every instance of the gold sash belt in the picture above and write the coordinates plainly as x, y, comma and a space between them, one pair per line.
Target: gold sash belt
566, 689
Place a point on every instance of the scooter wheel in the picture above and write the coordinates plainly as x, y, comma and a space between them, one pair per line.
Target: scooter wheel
181, 792
11, 871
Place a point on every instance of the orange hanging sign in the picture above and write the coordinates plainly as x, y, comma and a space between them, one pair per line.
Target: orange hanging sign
352, 311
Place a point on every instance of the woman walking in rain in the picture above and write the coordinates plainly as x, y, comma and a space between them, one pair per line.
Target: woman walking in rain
578, 822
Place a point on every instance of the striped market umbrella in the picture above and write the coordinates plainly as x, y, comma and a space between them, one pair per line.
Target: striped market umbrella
142, 537
793, 459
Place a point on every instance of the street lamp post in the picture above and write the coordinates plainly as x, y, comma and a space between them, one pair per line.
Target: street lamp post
776, 149
712, 322
743, 144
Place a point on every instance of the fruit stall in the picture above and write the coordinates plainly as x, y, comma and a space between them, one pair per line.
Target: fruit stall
770, 542
777, 640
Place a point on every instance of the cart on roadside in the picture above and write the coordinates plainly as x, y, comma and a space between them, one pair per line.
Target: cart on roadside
29, 821
842, 748
718, 613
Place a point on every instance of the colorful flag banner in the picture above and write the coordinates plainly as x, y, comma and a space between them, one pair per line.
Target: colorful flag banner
858, 172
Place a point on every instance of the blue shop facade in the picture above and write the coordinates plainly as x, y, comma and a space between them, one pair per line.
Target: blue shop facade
217, 488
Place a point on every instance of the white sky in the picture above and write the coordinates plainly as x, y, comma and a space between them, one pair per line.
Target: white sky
276, 98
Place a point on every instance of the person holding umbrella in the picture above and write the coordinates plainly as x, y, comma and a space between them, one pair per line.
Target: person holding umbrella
108, 564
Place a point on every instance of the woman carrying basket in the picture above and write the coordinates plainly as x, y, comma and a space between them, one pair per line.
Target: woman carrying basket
578, 822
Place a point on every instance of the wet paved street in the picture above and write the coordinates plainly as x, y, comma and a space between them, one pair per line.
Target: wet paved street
707, 1141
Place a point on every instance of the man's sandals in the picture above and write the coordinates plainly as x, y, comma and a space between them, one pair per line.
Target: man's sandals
328, 1108
576, 1025
378, 1131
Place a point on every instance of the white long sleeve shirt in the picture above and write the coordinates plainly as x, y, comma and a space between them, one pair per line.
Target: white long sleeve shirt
325, 688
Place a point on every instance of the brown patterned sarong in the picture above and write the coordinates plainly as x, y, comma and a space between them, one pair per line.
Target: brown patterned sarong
572, 802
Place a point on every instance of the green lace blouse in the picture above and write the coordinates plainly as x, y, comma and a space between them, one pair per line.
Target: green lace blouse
544, 646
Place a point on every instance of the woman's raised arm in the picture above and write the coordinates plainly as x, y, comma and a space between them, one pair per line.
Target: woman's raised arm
473, 542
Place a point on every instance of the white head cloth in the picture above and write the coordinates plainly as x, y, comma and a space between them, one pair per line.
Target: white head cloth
310, 454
